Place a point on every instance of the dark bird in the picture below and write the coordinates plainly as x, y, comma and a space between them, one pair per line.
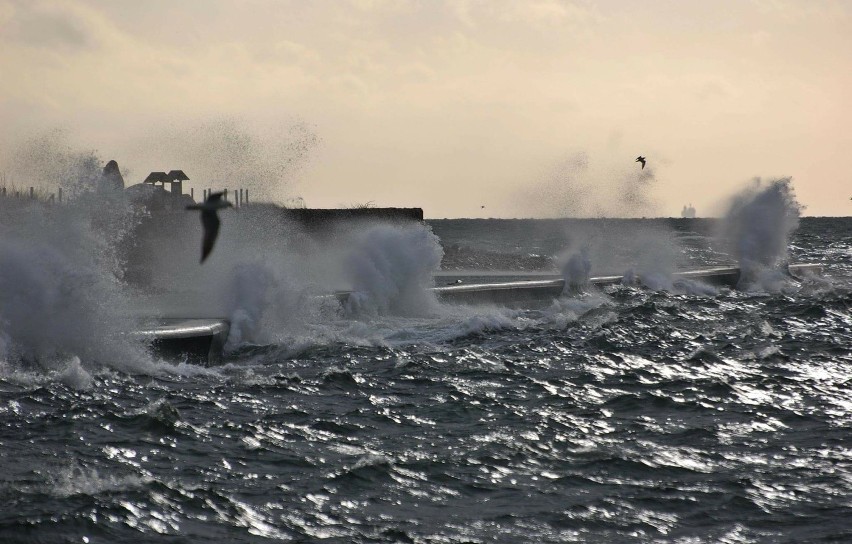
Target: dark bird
641, 159
209, 220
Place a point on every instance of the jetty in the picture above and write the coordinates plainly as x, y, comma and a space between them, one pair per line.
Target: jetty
534, 292
202, 340
191, 340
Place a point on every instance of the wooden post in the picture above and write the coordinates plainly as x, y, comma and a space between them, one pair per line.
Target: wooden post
192, 193
246, 195
60, 194
32, 196
225, 196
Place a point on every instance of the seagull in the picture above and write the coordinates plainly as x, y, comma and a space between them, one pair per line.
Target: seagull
641, 159
209, 220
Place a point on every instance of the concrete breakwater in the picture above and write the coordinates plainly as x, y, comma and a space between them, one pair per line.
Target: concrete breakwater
202, 340
165, 236
316, 218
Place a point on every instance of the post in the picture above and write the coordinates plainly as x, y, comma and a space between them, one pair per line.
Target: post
31, 193
192, 193
4, 192
60, 194
246, 195
225, 196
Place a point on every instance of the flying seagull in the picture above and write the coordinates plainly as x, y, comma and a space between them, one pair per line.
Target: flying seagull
641, 159
209, 220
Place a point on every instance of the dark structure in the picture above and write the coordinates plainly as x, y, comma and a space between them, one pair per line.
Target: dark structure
174, 178
320, 219
111, 179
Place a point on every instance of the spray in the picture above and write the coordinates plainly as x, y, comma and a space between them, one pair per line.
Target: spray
390, 269
756, 230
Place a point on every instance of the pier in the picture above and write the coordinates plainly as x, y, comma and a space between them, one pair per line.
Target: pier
534, 292
202, 340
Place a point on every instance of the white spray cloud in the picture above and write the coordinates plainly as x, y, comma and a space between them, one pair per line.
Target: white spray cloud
756, 230
390, 269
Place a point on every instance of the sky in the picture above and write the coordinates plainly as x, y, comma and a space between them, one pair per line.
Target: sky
466, 108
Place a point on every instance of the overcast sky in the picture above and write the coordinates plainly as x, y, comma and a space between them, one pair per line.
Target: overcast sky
529, 108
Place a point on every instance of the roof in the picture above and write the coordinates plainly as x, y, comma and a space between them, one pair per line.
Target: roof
177, 175
157, 177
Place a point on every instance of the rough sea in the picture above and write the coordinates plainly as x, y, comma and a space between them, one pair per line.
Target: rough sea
627, 414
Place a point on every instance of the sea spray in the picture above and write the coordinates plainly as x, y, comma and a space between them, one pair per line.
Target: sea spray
756, 230
390, 269
579, 185
59, 291
250, 298
576, 270
267, 303
63, 303
264, 158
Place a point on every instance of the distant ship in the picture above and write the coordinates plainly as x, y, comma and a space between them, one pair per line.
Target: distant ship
688, 212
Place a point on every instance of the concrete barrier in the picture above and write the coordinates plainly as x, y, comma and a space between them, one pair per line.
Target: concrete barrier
201, 341
534, 292
197, 341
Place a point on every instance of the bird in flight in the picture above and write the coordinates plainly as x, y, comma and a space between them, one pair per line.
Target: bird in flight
641, 159
209, 220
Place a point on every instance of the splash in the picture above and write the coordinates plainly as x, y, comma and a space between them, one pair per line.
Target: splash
390, 269
48, 161
577, 186
576, 270
60, 295
63, 304
756, 230
233, 153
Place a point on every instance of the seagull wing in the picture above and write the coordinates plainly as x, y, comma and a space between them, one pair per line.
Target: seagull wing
215, 197
210, 222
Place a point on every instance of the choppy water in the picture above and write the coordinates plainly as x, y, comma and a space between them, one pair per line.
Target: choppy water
623, 415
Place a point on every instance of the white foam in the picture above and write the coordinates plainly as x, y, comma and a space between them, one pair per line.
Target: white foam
390, 269
74, 480
756, 230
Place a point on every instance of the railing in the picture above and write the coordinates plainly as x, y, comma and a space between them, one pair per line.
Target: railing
238, 197
29, 194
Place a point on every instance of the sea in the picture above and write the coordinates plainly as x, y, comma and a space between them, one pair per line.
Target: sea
641, 412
